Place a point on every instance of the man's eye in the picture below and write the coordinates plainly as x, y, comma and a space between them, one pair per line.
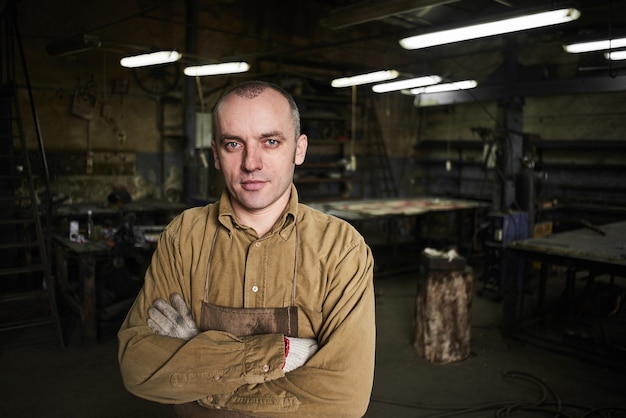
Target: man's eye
231, 145
272, 142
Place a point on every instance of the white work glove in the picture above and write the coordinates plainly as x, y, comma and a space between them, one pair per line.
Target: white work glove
173, 320
298, 351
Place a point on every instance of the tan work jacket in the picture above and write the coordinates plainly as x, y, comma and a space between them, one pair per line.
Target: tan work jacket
334, 294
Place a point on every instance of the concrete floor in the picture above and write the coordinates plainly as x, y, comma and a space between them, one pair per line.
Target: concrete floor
39, 380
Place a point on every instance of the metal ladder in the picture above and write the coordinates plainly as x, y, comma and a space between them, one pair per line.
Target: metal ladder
27, 291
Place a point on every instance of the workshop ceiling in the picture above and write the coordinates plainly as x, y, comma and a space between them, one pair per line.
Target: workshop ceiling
326, 39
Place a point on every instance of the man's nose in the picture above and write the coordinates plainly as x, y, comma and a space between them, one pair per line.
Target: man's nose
252, 159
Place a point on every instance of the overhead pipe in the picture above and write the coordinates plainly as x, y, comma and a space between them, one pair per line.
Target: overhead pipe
190, 177
363, 12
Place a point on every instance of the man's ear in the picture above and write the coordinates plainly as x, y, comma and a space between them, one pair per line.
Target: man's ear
216, 158
301, 147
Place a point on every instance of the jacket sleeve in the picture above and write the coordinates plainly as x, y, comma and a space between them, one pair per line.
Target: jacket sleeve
170, 370
337, 380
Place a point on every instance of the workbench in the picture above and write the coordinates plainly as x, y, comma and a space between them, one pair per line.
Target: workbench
146, 212
80, 292
594, 250
375, 208
393, 213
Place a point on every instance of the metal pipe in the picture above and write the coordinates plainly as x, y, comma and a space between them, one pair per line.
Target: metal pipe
191, 46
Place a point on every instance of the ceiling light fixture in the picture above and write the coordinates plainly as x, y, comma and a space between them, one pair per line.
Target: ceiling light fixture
496, 27
438, 88
153, 58
407, 84
598, 45
615, 55
357, 80
217, 69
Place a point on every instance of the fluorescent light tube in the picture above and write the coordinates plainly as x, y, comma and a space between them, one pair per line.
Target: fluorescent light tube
356, 80
406, 84
615, 55
217, 69
153, 58
438, 88
530, 21
599, 45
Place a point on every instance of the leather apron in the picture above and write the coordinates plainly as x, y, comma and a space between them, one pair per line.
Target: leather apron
242, 322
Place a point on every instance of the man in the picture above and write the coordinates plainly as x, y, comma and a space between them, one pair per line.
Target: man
280, 296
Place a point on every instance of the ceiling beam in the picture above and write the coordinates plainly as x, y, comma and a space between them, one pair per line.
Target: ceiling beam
528, 89
371, 10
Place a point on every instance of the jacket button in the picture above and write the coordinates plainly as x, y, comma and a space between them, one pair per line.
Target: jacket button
266, 368
255, 289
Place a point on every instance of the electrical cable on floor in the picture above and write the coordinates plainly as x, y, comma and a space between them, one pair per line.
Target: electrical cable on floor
610, 411
547, 404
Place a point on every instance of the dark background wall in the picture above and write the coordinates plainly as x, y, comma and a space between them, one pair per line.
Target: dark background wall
106, 127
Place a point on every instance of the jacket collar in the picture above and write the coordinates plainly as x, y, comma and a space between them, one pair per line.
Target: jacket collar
284, 225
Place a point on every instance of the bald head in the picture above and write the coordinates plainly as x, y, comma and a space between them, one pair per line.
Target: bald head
252, 89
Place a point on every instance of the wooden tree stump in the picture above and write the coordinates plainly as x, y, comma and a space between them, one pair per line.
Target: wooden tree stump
442, 327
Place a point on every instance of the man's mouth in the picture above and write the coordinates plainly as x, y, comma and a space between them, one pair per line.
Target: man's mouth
252, 185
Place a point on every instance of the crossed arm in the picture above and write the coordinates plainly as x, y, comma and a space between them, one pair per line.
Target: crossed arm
175, 320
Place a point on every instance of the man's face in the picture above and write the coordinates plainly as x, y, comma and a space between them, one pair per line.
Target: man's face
256, 149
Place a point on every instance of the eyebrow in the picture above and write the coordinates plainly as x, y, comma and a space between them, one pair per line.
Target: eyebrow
226, 137
271, 134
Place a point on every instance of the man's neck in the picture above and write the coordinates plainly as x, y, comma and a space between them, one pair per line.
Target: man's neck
262, 224
261, 221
